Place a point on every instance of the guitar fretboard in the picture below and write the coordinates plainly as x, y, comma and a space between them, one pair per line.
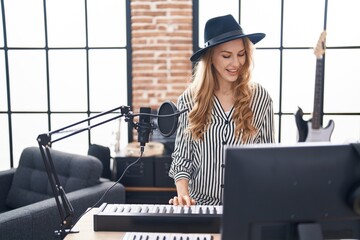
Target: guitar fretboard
318, 95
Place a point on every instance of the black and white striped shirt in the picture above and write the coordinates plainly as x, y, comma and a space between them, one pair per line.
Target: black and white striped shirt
202, 161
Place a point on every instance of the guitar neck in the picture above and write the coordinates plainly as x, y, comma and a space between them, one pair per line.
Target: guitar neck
318, 95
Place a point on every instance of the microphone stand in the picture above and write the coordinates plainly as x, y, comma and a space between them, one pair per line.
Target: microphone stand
64, 206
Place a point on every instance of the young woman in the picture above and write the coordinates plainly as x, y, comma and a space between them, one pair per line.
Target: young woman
225, 108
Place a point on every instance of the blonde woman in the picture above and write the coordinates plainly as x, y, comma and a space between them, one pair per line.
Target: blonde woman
225, 108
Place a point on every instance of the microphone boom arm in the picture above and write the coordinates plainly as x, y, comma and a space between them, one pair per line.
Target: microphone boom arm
64, 206
44, 140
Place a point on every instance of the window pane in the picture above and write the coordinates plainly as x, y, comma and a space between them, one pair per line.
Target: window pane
108, 81
303, 22
213, 8
66, 25
107, 23
1, 29
289, 132
68, 88
26, 128
27, 80
342, 83
342, 23
255, 18
276, 127
4, 143
74, 144
3, 92
267, 72
298, 80
25, 24
347, 128
111, 133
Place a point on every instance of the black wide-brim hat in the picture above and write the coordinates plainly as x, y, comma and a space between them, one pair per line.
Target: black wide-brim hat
223, 29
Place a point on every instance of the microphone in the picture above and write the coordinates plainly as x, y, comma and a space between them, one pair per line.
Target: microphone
167, 118
144, 127
167, 121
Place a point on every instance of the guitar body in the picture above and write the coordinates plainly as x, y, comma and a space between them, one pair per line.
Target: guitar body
321, 134
306, 132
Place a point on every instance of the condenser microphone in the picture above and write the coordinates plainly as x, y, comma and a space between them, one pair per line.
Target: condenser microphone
144, 127
167, 119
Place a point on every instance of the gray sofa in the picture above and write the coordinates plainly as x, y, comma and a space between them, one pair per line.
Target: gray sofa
28, 209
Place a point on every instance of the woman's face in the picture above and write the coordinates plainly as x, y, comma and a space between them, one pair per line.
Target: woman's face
228, 58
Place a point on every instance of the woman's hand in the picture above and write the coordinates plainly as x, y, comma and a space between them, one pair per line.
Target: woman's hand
182, 197
184, 200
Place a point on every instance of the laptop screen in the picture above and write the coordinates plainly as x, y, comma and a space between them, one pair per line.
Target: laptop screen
275, 191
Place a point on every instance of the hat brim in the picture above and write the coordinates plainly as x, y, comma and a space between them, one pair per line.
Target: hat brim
254, 38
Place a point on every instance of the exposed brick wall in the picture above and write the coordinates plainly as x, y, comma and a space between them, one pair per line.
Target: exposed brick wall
161, 48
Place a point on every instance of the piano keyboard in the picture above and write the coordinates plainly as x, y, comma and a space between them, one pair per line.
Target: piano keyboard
158, 218
166, 236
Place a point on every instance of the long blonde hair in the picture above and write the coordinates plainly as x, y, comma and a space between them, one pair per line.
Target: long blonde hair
203, 88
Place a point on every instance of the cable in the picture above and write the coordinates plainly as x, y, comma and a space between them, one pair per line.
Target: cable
106, 192
160, 116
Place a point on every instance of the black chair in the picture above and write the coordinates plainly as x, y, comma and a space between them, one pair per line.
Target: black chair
103, 154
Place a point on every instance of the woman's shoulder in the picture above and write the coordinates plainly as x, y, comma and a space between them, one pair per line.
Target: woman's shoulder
259, 90
186, 98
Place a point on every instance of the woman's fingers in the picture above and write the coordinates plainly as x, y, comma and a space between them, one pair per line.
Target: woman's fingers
182, 200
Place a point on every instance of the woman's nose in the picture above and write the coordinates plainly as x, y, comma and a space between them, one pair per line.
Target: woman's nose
236, 62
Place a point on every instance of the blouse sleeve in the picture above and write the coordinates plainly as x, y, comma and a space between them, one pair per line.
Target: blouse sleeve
267, 128
267, 132
181, 166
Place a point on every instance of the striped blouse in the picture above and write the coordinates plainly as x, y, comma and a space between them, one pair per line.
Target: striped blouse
202, 161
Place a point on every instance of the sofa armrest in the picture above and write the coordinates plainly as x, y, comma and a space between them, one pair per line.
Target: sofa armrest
94, 194
6, 178
44, 215
16, 224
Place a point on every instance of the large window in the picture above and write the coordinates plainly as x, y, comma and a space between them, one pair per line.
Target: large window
285, 63
61, 62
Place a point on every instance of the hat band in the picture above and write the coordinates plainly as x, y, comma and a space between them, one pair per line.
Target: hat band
222, 36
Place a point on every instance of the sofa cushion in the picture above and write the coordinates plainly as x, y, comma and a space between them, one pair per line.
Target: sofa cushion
31, 184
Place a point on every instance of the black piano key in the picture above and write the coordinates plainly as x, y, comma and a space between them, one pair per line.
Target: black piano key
207, 210
163, 210
146, 209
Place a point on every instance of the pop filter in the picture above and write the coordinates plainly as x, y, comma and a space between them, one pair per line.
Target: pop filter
167, 124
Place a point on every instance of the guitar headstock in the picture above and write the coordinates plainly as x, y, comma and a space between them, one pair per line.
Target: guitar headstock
320, 46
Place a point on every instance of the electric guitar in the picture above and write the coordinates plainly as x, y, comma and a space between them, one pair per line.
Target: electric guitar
312, 130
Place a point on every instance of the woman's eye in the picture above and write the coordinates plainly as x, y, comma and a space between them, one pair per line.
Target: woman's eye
226, 56
241, 54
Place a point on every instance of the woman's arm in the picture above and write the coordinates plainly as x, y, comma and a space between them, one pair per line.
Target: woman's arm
181, 166
182, 198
